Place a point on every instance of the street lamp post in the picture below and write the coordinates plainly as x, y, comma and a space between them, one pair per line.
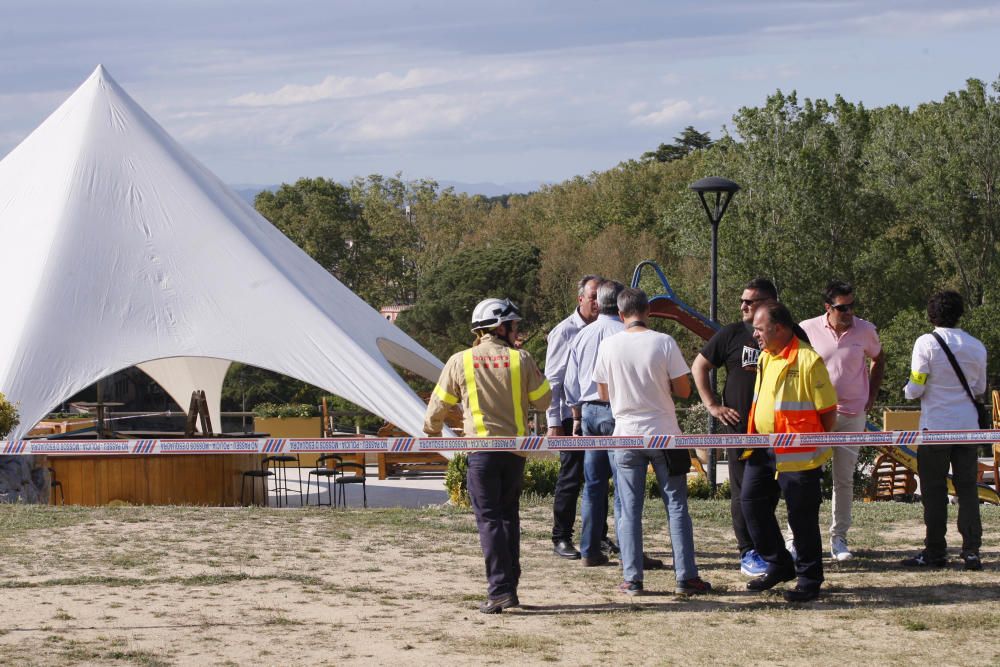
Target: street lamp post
723, 189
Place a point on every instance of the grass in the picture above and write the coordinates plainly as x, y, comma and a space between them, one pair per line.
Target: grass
396, 585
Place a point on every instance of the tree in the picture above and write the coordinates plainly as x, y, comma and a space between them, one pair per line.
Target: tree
941, 164
441, 317
8, 416
318, 215
689, 141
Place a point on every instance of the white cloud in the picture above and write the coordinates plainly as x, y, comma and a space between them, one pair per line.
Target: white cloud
416, 116
341, 87
894, 22
335, 87
671, 112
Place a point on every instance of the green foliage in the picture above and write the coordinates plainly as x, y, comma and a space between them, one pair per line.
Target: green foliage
698, 487
690, 140
897, 342
251, 386
9, 418
285, 410
441, 318
455, 480
540, 477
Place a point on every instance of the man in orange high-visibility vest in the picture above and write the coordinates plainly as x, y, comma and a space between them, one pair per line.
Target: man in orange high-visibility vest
495, 383
793, 394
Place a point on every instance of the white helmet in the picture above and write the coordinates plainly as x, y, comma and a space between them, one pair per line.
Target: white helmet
494, 312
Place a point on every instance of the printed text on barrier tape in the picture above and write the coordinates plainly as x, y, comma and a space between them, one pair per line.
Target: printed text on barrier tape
522, 444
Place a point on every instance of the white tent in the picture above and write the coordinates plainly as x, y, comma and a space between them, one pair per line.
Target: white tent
119, 249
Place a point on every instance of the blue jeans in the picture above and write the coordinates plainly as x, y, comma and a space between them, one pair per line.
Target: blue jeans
631, 481
597, 469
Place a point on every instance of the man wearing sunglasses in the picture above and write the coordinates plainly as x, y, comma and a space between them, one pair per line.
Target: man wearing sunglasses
734, 347
853, 355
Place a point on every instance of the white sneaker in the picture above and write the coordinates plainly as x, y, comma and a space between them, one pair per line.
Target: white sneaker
790, 545
839, 550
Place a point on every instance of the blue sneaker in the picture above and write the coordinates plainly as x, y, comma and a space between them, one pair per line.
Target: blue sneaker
752, 565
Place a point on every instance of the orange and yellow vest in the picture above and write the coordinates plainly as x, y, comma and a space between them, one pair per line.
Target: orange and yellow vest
797, 381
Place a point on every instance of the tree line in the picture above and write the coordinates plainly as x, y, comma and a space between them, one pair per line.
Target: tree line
899, 201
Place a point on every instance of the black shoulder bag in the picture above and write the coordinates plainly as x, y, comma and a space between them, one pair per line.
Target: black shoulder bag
985, 418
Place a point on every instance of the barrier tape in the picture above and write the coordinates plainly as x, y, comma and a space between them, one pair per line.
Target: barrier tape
533, 443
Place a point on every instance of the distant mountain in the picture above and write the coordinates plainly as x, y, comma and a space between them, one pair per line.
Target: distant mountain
493, 189
248, 190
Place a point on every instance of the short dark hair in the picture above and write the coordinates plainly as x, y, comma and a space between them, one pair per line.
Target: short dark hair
764, 286
837, 288
778, 313
632, 301
945, 308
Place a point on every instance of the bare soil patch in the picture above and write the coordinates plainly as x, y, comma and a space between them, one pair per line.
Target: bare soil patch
237, 586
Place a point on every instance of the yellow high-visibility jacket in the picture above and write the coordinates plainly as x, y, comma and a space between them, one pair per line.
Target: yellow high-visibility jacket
495, 384
801, 393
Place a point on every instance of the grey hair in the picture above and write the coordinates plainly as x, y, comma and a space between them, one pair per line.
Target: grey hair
607, 296
632, 301
582, 284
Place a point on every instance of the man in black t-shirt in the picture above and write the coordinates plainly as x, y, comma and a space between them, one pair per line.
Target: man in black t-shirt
734, 348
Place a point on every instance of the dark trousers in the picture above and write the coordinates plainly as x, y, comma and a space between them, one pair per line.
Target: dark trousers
760, 495
495, 480
737, 466
567, 490
932, 464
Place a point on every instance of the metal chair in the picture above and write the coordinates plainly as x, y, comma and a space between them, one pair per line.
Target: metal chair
253, 475
321, 470
358, 477
279, 465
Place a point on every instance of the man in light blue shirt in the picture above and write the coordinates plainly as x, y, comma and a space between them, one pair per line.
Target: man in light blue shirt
560, 419
596, 419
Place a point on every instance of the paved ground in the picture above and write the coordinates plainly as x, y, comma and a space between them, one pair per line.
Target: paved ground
405, 491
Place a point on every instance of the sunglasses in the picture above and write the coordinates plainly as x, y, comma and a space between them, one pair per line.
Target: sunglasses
844, 307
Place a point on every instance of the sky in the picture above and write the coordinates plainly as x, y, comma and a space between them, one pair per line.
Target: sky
502, 92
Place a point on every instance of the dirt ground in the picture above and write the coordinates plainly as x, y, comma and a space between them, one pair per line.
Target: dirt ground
239, 586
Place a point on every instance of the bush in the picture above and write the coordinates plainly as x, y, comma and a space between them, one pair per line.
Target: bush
8, 416
698, 487
540, 477
454, 480
282, 410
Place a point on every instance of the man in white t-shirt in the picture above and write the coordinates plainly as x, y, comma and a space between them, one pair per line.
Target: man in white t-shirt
639, 371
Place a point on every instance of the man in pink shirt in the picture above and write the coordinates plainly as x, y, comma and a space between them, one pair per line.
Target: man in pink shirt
853, 356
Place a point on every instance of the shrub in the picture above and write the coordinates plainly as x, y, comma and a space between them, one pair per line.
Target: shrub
540, 476
454, 480
282, 410
698, 487
8, 416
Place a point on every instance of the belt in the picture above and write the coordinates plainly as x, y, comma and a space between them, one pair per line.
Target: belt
602, 403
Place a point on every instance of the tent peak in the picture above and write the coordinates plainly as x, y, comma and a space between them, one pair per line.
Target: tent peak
101, 74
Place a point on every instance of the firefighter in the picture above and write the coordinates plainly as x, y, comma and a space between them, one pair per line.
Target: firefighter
495, 383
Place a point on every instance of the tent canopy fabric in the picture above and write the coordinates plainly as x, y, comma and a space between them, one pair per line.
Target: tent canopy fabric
119, 249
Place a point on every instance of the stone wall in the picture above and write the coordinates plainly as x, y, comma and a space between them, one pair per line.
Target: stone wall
24, 479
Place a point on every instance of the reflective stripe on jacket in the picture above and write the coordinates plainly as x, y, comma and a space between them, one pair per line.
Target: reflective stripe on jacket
799, 399
495, 385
